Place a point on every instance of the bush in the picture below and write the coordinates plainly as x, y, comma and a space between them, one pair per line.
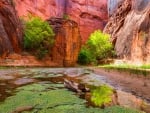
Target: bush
38, 35
98, 47
85, 56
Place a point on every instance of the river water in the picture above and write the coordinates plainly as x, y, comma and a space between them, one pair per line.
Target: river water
42, 90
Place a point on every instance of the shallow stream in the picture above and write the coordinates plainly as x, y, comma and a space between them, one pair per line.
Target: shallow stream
42, 90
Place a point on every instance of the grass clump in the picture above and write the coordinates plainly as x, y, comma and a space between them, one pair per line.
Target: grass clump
38, 36
133, 69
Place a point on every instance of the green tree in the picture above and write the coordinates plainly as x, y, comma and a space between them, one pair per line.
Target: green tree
98, 47
38, 35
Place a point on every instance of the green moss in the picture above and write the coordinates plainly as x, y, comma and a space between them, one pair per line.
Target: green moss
36, 95
43, 99
101, 95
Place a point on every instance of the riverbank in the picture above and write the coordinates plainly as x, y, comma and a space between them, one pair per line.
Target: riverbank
138, 85
27, 60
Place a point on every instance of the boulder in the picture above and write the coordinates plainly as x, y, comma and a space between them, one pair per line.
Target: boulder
10, 29
67, 41
129, 27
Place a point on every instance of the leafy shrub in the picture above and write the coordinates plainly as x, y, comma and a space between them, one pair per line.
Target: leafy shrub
85, 56
98, 47
41, 53
38, 35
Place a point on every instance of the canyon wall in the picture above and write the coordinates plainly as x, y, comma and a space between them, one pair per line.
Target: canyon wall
42, 8
129, 27
67, 41
10, 29
89, 14
112, 5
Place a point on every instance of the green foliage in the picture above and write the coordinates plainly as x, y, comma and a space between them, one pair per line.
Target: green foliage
41, 53
85, 56
100, 45
101, 95
38, 36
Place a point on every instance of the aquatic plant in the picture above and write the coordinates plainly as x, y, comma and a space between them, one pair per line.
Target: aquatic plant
101, 95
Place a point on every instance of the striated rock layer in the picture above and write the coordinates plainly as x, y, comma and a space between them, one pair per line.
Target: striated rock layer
67, 41
89, 14
113, 5
129, 27
10, 29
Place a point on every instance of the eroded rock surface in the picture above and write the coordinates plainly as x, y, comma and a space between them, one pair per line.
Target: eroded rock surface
130, 30
42, 8
10, 29
89, 14
112, 6
67, 41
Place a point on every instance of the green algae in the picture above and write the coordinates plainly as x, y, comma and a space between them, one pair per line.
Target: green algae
49, 97
44, 100
101, 95
39, 98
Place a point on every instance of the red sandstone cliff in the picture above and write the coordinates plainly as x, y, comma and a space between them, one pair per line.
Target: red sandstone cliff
129, 27
67, 41
89, 14
10, 29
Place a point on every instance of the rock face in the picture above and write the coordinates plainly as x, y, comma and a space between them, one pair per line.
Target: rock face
113, 5
130, 30
42, 8
89, 14
10, 29
67, 41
